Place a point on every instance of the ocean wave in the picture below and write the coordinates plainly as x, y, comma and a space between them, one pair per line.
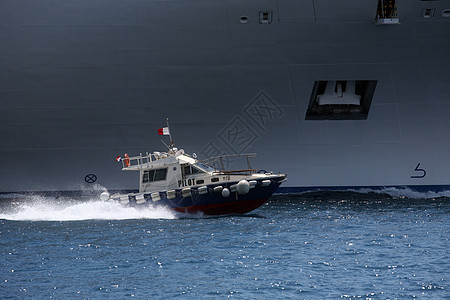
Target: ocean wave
403, 192
392, 192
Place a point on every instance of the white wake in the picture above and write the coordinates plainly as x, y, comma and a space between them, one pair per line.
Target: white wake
37, 208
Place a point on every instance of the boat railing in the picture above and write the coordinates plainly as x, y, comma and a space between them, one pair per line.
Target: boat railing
236, 172
218, 163
139, 161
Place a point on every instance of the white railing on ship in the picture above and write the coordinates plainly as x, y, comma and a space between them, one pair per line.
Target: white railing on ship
140, 160
218, 160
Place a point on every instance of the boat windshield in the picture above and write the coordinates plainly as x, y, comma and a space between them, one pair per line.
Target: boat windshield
204, 167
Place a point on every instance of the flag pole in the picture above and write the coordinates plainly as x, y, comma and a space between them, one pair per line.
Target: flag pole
170, 135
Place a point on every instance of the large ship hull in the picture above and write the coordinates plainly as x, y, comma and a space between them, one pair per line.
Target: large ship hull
84, 81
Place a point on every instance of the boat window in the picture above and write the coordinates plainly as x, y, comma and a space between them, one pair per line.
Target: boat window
148, 176
189, 170
201, 181
215, 179
145, 177
387, 12
195, 170
265, 17
160, 174
154, 175
204, 167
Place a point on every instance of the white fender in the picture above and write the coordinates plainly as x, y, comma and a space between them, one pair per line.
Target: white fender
171, 194
140, 199
155, 196
252, 183
186, 192
104, 196
225, 192
218, 189
265, 182
203, 190
124, 199
243, 187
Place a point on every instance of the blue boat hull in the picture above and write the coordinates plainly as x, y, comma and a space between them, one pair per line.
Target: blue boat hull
213, 203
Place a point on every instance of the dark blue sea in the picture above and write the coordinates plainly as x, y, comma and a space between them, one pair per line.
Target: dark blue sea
323, 245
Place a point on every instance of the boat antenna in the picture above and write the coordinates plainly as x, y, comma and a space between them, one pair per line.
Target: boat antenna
170, 135
165, 145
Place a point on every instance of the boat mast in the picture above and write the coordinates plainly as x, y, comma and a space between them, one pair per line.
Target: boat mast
170, 135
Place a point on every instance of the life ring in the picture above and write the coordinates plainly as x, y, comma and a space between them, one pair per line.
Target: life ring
126, 160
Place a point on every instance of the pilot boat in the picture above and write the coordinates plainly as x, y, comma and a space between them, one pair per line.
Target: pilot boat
181, 182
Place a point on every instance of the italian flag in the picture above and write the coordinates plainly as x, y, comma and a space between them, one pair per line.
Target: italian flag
163, 131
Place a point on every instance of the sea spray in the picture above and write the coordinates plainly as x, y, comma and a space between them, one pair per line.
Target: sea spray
40, 208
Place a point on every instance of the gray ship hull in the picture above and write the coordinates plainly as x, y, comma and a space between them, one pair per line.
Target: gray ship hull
84, 81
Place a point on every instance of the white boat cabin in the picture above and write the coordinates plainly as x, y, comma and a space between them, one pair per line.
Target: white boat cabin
174, 170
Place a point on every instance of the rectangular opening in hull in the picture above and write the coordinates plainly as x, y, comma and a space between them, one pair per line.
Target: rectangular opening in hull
341, 100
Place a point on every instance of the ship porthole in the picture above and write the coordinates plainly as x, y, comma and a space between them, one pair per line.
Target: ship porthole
446, 13
243, 20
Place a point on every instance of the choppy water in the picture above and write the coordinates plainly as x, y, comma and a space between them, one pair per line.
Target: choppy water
317, 245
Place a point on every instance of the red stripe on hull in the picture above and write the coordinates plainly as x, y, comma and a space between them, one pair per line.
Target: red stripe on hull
227, 208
